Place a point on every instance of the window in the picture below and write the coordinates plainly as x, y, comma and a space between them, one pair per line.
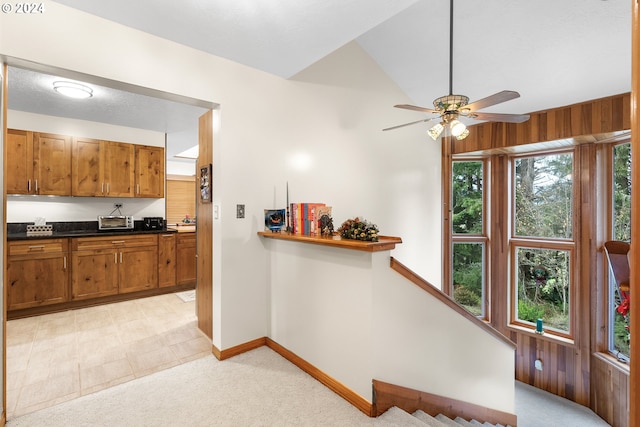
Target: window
468, 235
542, 242
621, 230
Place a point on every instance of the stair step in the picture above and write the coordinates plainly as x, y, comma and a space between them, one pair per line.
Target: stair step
463, 422
476, 423
397, 417
427, 419
447, 421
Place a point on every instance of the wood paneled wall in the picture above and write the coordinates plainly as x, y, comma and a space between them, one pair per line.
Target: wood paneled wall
574, 370
599, 116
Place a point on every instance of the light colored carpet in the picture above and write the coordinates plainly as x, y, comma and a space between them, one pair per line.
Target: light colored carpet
187, 296
257, 388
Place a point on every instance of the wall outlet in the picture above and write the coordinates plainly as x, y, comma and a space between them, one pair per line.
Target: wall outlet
117, 205
538, 364
239, 211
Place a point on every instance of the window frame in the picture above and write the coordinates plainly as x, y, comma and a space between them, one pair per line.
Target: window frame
482, 238
534, 242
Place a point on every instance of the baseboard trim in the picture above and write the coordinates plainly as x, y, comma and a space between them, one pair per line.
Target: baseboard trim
387, 395
239, 349
340, 389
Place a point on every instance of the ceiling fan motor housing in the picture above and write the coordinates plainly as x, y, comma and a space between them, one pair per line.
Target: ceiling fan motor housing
450, 103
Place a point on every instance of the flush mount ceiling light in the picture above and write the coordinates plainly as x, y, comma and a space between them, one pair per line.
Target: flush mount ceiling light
72, 89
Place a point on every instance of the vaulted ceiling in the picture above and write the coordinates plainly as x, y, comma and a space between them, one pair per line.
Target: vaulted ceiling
552, 52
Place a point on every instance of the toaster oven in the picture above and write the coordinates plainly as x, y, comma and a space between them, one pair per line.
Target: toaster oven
115, 222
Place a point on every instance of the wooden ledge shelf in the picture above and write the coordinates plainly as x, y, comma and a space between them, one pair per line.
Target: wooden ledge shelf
384, 243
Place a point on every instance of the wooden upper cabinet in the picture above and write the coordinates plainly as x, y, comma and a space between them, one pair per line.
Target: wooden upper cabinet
87, 169
102, 168
149, 171
38, 163
119, 169
19, 162
48, 164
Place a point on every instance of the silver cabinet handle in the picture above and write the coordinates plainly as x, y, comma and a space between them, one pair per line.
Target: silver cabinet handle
108, 187
64, 262
36, 185
115, 257
102, 187
29, 185
120, 257
117, 241
36, 247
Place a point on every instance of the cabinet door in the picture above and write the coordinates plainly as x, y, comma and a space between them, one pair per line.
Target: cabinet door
138, 268
19, 164
166, 260
36, 280
87, 177
149, 171
186, 260
52, 164
94, 274
119, 169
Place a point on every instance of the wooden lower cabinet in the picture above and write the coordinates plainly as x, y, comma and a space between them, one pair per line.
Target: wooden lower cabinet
186, 258
104, 266
166, 259
37, 273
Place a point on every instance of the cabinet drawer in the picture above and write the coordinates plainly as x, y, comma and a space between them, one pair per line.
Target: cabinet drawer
110, 242
29, 247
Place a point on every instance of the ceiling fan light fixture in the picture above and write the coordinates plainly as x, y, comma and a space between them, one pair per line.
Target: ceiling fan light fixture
463, 135
457, 128
435, 131
72, 89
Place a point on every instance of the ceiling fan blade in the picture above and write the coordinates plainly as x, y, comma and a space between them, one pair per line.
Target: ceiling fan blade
409, 124
414, 108
496, 98
496, 117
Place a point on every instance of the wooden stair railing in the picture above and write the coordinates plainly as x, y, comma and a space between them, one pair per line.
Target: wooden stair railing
386, 395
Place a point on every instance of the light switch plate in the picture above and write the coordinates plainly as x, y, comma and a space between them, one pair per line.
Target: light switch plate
239, 211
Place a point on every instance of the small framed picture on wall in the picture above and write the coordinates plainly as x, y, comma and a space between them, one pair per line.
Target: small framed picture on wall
205, 184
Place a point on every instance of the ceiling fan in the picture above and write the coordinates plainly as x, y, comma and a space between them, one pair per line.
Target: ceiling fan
451, 107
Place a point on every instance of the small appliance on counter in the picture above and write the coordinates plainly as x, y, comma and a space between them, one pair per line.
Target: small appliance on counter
153, 223
115, 222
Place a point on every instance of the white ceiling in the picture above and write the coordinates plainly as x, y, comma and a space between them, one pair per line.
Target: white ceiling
552, 52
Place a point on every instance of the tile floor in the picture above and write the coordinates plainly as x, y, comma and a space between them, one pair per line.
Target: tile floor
58, 357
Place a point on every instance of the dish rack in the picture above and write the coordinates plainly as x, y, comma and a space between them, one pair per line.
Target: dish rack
40, 230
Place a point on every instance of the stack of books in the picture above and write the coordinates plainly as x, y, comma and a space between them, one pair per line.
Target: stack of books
304, 217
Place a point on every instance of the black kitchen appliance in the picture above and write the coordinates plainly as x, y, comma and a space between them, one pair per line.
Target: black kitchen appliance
153, 222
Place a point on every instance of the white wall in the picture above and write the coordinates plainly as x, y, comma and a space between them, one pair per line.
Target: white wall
26, 208
350, 315
331, 114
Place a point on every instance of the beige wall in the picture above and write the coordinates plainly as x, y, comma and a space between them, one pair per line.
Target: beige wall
330, 115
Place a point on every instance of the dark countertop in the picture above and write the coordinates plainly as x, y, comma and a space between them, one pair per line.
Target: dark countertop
18, 231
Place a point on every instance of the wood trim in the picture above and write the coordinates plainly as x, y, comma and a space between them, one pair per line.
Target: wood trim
204, 231
239, 349
634, 379
387, 395
340, 389
3, 110
448, 301
384, 243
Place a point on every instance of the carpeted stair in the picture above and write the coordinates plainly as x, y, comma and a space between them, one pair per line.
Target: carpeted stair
397, 417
